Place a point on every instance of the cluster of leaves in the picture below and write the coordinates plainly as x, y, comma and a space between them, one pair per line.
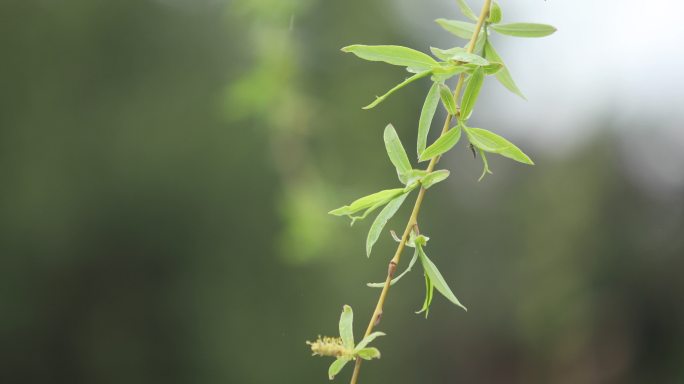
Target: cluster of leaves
392, 199
433, 278
343, 347
472, 63
476, 65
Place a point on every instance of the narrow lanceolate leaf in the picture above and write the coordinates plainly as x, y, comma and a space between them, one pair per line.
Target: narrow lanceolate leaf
380, 99
346, 327
369, 353
434, 177
429, 290
436, 278
426, 116
379, 223
396, 152
393, 54
367, 340
394, 281
461, 29
503, 75
447, 99
495, 13
443, 144
472, 91
336, 367
458, 54
366, 202
466, 10
446, 71
524, 29
480, 42
491, 142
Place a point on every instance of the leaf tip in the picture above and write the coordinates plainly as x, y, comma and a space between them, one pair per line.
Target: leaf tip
337, 211
526, 160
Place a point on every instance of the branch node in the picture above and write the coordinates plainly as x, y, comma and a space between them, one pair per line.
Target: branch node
378, 317
391, 269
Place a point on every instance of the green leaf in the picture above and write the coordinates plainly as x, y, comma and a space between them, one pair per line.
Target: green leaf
493, 68
472, 91
466, 10
458, 54
426, 116
491, 142
485, 164
379, 223
495, 13
436, 278
367, 340
443, 54
434, 177
489, 69
446, 71
414, 175
380, 99
480, 42
336, 367
366, 202
393, 281
443, 144
524, 29
369, 353
503, 75
396, 152
447, 99
461, 29
393, 54
346, 327
429, 291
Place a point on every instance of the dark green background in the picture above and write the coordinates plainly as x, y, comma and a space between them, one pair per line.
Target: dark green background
166, 168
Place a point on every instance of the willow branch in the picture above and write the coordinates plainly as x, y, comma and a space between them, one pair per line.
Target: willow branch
413, 219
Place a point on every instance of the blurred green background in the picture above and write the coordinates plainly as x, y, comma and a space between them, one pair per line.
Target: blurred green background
167, 167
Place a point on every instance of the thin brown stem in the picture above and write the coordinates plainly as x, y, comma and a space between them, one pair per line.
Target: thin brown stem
413, 219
